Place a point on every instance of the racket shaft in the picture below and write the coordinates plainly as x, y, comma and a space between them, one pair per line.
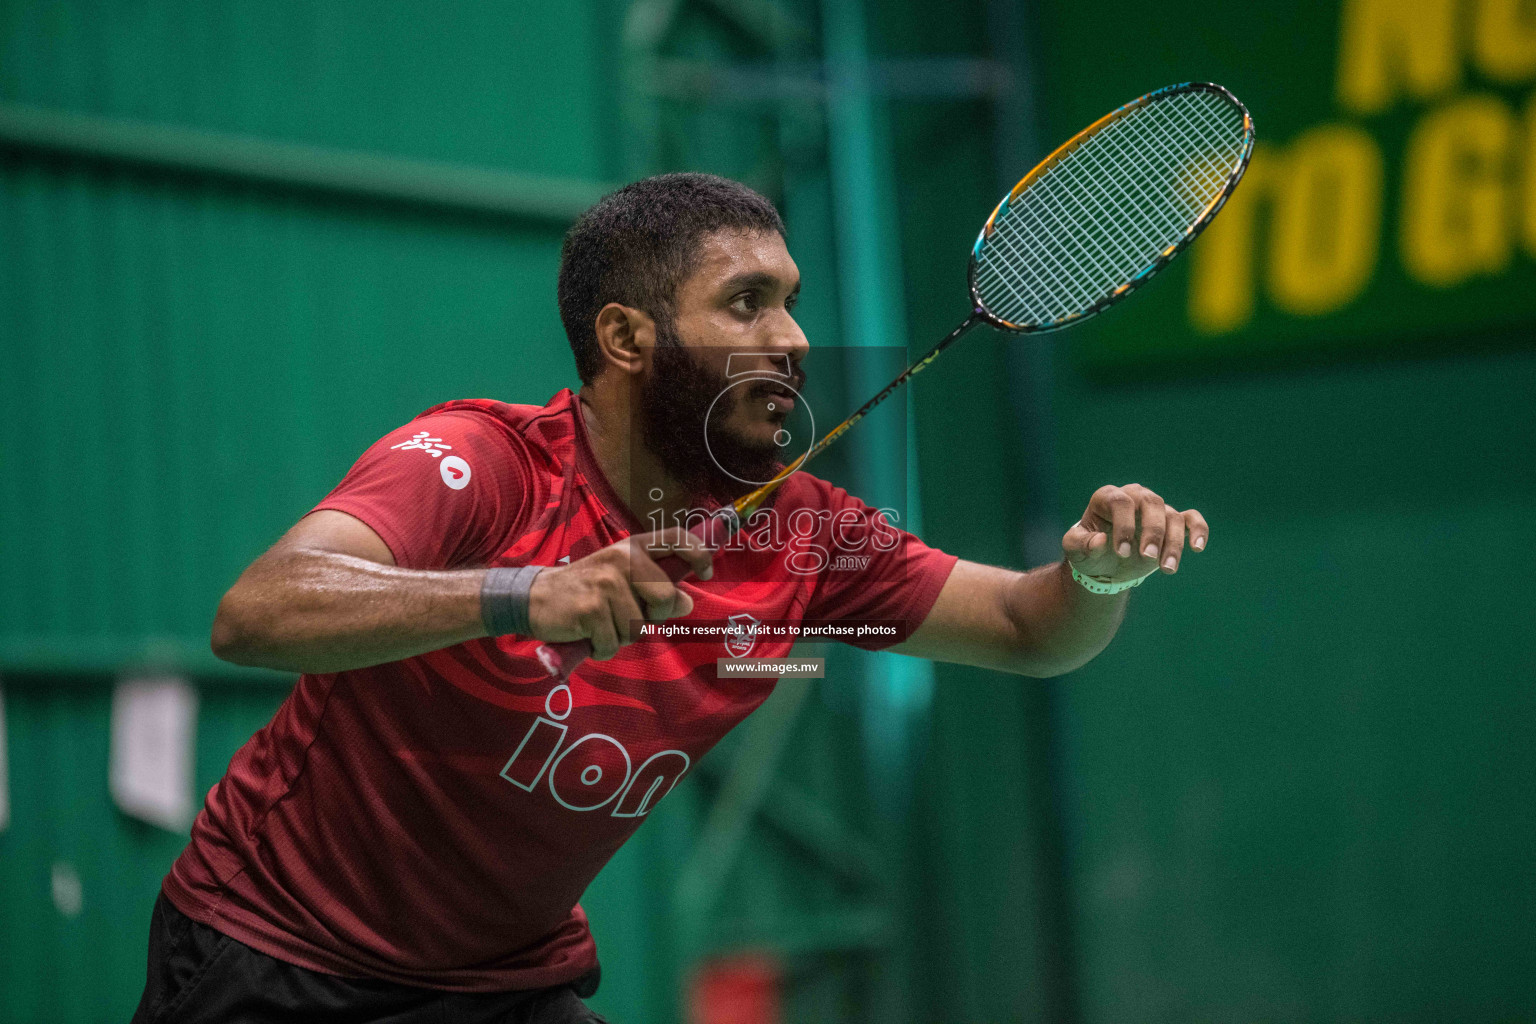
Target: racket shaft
745, 506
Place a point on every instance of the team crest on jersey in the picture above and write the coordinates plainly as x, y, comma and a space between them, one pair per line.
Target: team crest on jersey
742, 636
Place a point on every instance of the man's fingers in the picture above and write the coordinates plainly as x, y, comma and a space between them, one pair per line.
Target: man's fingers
683, 604
1173, 539
1123, 519
1199, 531
1133, 523
679, 543
652, 584
1154, 516
627, 614
1115, 507
662, 599
1077, 542
605, 636
653, 587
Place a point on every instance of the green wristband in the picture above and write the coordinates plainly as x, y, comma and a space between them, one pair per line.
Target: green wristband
1094, 585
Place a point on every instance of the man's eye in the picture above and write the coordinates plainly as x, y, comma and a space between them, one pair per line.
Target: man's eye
791, 302
745, 303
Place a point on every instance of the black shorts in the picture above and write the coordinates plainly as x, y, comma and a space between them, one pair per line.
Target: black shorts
198, 975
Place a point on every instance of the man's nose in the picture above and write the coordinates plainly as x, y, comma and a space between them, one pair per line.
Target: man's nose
795, 342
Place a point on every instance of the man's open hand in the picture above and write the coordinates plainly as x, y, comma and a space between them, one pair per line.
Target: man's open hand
1126, 532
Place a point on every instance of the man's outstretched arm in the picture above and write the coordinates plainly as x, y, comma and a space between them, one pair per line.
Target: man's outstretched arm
1043, 622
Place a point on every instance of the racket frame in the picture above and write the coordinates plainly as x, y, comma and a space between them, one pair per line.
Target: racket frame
1065, 150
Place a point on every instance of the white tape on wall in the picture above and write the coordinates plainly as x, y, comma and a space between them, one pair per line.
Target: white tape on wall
154, 728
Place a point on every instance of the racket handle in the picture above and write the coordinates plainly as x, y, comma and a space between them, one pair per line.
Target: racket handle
561, 659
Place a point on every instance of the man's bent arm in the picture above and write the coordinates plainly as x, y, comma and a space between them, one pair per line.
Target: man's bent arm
1038, 623
328, 597
1044, 623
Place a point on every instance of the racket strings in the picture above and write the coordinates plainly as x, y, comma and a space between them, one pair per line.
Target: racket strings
1075, 216
1060, 219
1110, 208
1150, 234
1172, 142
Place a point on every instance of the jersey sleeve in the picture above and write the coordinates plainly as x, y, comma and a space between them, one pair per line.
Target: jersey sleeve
444, 491
874, 572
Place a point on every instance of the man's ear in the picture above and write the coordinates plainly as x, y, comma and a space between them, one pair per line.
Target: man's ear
622, 331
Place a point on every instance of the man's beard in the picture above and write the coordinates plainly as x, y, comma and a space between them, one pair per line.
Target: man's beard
674, 405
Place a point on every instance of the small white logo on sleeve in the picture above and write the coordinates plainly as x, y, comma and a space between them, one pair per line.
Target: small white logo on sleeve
455, 472
433, 446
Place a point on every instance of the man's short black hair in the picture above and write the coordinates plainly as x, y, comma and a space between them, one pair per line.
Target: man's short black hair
639, 243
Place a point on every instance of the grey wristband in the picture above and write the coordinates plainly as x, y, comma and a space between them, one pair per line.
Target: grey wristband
504, 599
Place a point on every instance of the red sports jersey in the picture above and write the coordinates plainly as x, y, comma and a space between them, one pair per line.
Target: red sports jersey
434, 821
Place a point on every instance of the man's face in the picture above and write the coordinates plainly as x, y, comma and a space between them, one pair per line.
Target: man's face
728, 366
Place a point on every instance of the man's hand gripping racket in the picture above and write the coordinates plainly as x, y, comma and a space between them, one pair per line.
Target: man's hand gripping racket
590, 607
1093, 222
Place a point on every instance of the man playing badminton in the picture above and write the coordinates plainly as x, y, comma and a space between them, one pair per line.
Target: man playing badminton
409, 836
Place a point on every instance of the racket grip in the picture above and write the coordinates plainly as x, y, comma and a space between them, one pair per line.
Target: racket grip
561, 659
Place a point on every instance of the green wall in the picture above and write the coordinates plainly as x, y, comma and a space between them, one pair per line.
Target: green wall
84, 961
1297, 784
179, 347
1300, 776
1294, 788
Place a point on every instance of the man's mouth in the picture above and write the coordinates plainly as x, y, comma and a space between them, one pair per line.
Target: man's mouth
779, 399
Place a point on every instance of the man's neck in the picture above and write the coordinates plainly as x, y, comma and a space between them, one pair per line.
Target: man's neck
632, 471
